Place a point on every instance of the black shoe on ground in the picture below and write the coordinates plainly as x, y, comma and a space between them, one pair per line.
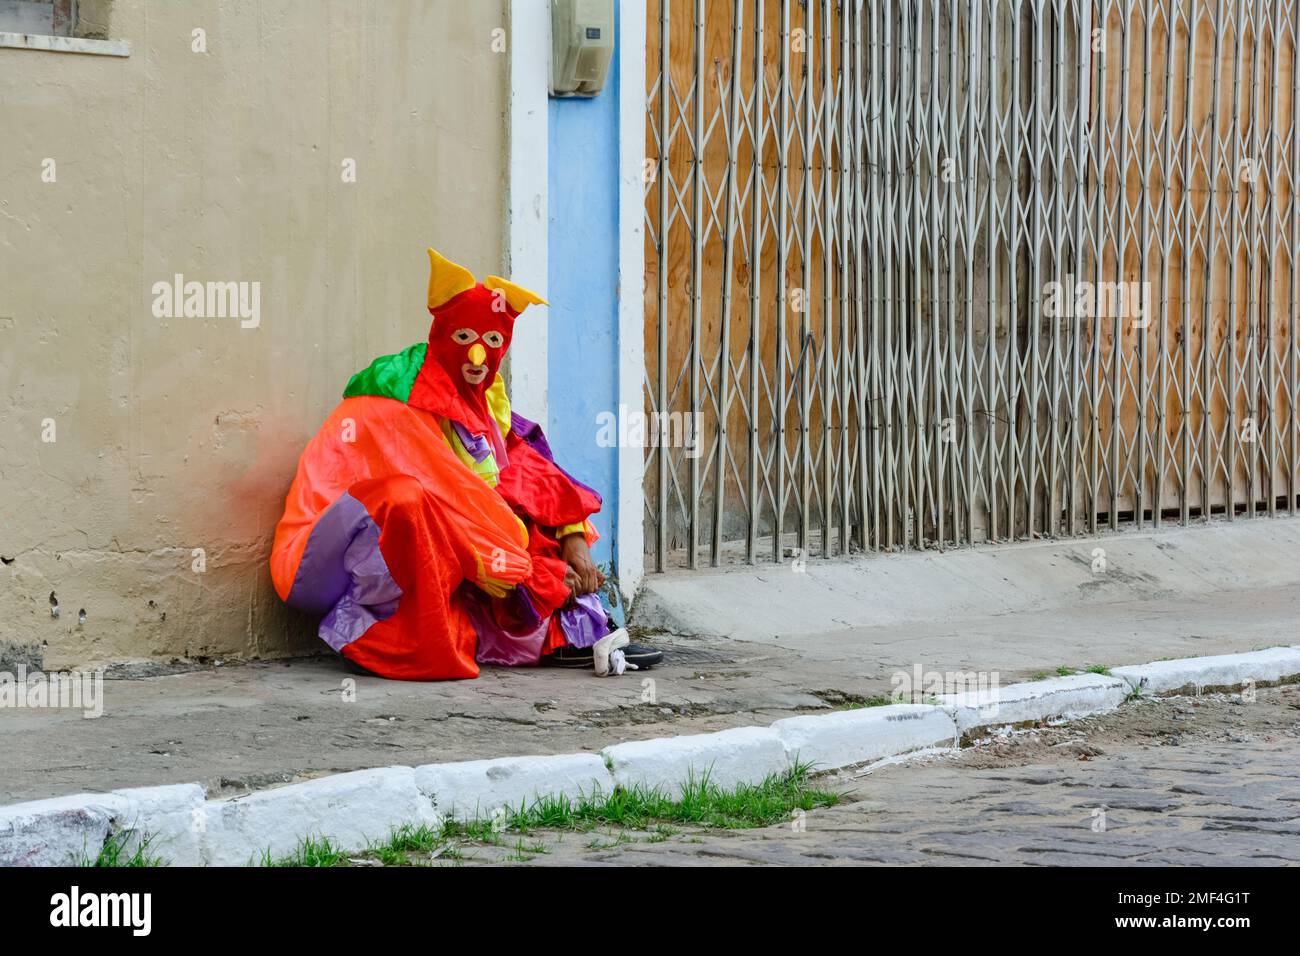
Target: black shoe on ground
575, 657
642, 656
580, 657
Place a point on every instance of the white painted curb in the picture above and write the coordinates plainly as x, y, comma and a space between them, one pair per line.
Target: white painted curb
170, 818
848, 737
69, 830
349, 809
477, 788
57, 832
1059, 697
1223, 670
354, 809
729, 757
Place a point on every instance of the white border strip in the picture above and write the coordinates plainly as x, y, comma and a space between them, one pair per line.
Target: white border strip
630, 538
52, 44
527, 212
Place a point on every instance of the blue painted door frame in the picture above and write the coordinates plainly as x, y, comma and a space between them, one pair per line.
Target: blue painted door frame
582, 283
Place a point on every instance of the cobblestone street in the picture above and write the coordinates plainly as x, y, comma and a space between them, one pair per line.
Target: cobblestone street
1214, 780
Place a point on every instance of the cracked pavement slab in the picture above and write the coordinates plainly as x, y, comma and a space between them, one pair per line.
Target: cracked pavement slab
243, 727
1176, 781
239, 727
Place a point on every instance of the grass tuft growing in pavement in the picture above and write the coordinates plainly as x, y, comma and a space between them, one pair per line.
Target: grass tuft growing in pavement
413, 839
1064, 671
114, 853
701, 803
309, 852
879, 700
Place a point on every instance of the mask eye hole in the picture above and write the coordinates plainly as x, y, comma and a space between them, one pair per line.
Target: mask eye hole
464, 336
493, 340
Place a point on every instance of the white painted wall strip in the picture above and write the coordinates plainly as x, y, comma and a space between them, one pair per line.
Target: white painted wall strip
630, 553
529, 51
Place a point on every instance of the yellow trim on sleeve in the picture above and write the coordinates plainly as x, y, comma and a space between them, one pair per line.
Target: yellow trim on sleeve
498, 403
491, 586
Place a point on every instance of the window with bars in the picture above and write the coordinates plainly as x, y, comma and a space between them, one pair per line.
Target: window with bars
41, 17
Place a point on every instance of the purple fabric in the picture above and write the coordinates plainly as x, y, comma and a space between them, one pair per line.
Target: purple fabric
586, 622
322, 577
371, 596
520, 644
476, 445
343, 575
532, 433
520, 605
535, 438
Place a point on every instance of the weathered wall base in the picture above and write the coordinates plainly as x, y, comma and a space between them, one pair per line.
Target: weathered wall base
312, 149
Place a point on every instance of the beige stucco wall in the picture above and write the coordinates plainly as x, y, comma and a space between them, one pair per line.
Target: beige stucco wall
176, 434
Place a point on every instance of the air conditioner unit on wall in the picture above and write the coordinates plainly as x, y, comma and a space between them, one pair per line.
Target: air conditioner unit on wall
582, 44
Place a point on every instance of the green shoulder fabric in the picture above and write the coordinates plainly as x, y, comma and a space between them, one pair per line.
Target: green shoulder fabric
389, 375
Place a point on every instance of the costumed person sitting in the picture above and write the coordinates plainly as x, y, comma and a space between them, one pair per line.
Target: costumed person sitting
429, 524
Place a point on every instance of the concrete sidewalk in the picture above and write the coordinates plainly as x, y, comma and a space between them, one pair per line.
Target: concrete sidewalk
743, 647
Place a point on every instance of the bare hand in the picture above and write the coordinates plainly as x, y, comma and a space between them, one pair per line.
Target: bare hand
576, 554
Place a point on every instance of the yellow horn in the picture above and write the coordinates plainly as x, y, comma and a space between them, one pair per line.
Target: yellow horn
517, 296
446, 280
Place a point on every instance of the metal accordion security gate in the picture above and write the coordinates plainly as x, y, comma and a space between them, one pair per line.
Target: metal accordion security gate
921, 273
